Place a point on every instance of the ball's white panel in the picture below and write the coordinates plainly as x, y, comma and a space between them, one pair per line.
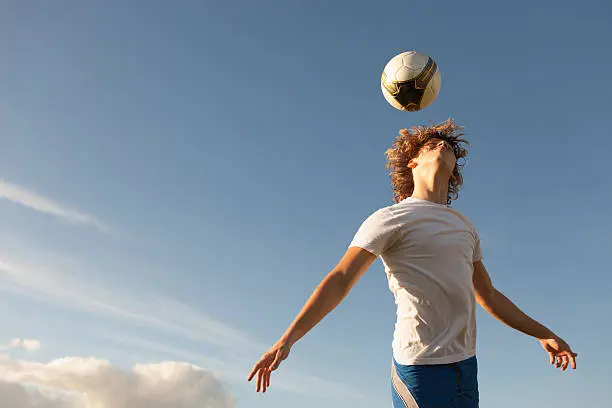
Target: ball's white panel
432, 90
405, 73
393, 66
415, 60
390, 98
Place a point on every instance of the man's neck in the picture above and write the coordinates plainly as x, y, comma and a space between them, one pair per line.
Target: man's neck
433, 188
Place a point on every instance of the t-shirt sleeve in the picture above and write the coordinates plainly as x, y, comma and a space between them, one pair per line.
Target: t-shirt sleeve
377, 233
478, 256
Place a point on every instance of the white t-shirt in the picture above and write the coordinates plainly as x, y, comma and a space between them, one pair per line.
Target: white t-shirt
428, 251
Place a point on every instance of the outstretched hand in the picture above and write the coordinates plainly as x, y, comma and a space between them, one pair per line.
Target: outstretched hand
559, 352
269, 362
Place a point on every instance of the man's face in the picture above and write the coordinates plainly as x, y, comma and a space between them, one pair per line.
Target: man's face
437, 152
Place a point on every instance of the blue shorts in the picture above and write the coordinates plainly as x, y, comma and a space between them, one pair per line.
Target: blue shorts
452, 385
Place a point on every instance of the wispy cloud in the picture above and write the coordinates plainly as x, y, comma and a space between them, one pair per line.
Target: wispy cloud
36, 202
43, 283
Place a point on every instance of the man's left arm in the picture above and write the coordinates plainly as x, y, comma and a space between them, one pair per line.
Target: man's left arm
502, 308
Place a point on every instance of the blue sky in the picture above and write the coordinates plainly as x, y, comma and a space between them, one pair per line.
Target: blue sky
177, 178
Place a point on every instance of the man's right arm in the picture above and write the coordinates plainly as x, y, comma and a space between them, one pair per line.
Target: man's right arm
330, 292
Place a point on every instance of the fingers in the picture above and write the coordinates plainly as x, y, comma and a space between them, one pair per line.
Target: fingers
262, 376
268, 363
260, 364
263, 382
260, 379
262, 369
569, 359
267, 372
259, 369
253, 371
551, 358
568, 356
565, 362
560, 353
266, 382
573, 360
563, 359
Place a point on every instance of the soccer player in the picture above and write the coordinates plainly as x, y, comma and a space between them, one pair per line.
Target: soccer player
434, 265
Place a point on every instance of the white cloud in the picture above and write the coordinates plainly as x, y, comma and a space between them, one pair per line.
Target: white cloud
26, 344
75, 382
36, 202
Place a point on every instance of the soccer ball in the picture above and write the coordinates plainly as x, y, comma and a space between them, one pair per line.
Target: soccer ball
410, 81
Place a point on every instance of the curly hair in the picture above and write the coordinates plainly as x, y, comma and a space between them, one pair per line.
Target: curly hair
408, 145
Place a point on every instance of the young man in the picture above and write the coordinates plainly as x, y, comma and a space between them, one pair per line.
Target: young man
433, 261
